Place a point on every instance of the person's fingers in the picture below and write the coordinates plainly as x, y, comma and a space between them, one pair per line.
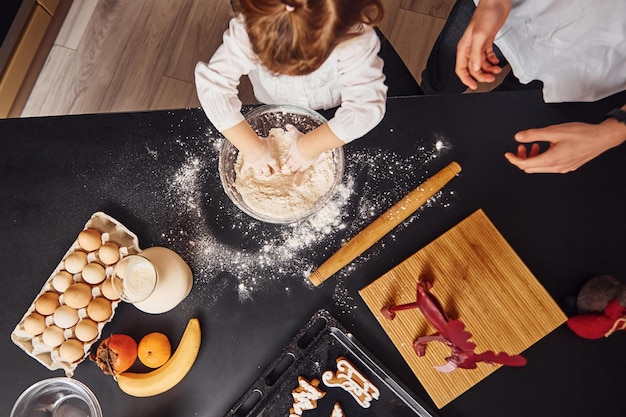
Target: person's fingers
493, 59
266, 170
484, 74
534, 150
479, 67
466, 78
544, 134
462, 71
462, 60
540, 163
475, 55
527, 165
290, 166
524, 136
273, 164
262, 168
513, 158
523, 152
490, 61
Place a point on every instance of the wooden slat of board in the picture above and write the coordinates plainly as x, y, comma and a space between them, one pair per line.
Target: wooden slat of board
479, 279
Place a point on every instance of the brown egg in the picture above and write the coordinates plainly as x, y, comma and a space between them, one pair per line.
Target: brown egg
62, 280
99, 309
47, 303
35, 324
109, 253
65, 317
90, 239
53, 336
78, 295
94, 273
86, 330
71, 350
75, 262
108, 291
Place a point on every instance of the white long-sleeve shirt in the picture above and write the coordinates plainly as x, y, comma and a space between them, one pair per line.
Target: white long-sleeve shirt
351, 78
576, 47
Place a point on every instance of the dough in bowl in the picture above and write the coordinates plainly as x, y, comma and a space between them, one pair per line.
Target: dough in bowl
283, 196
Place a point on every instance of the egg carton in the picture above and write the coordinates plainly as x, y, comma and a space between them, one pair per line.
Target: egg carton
111, 231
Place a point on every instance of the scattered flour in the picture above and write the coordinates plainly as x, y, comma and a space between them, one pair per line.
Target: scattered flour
279, 257
284, 196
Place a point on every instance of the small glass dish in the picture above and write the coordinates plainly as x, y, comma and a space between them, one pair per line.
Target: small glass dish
262, 119
57, 397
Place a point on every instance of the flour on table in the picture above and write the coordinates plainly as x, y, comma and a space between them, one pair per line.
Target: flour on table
285, 196
282, 256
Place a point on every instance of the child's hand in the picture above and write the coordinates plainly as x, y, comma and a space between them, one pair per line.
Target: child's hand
262, 163
296, 160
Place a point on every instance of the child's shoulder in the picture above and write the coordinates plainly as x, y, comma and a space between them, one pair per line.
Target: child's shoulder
237, 24
237, 33
365, 37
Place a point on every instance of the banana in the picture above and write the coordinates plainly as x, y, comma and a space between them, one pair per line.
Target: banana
171, 373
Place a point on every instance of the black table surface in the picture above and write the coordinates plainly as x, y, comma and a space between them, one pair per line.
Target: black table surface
156, 172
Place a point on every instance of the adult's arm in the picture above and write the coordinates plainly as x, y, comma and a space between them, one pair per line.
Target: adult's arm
571, 145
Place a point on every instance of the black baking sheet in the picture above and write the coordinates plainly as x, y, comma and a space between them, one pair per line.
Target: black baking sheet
314, 350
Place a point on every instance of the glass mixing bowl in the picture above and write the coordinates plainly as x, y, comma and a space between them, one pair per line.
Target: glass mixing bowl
262, 119
57, 397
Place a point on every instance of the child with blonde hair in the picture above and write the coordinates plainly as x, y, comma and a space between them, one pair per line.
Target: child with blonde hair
315, 54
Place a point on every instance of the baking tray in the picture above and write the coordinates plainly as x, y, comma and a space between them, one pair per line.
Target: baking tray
313, 351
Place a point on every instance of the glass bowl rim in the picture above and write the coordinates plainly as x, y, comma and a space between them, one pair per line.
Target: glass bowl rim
73, 384
227, 148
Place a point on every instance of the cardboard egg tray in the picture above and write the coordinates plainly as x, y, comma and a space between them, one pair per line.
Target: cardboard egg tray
112, 231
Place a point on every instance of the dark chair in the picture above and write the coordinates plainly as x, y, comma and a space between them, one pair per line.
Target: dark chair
400, 81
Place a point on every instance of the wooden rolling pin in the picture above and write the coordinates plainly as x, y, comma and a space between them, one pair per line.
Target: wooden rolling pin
384, 224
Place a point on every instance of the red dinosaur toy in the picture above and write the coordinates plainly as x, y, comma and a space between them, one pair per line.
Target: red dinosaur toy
450, 332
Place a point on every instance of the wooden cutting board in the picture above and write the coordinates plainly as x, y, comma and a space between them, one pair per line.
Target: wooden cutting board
479, 279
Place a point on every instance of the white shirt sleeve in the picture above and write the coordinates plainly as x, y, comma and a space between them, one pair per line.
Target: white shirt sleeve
358, 77
217, 81
363, 89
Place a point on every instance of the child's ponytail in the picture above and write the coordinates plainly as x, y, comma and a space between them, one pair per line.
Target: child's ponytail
295, 37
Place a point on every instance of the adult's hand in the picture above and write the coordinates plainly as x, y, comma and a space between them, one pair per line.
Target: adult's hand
475, 59
571, 145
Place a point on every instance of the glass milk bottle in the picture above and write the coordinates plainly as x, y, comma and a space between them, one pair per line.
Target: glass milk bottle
155, 281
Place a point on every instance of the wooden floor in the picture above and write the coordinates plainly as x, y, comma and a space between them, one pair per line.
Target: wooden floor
133, 55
